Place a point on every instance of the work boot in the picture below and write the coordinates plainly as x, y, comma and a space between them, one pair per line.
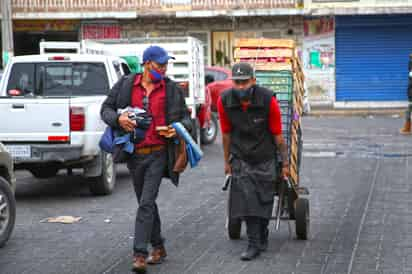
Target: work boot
157, 256
254, 231
251, 253
139, 264
265, 239
406, 130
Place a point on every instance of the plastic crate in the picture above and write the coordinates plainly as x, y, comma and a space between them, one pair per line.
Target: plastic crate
277, 73
284, 96
275, 80
275, 77
278, 88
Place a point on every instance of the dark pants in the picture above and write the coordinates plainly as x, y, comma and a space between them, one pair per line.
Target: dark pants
408, 112
257, 230
147, 172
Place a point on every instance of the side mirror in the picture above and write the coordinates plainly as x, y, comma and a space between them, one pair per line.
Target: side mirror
209, 79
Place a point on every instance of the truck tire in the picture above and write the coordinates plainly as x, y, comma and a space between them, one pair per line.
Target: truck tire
208, 135
7, 211
105, 183
44, 172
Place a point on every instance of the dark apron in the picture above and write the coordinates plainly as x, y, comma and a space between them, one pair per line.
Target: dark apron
253, 188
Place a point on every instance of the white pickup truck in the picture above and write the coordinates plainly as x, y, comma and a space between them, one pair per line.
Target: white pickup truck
49, 111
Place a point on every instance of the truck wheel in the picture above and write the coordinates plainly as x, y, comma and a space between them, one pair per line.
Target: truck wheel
7, 211
44, 172
208, 135
105, 183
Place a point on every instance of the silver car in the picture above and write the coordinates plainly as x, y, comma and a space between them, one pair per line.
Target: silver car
7, 201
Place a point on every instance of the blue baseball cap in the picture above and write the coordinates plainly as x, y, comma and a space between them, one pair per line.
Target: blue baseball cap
156, 54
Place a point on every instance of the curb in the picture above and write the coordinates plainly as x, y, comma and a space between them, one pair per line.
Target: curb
356, 112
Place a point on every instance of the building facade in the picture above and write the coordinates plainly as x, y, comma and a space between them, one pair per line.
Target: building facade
355, 52
372, 44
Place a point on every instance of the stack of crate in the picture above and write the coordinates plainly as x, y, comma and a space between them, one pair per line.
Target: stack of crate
278, 68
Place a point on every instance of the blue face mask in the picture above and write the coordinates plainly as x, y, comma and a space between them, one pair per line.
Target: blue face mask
243, 94
156, 75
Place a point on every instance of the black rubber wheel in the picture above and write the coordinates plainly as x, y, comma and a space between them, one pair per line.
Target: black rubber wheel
302, 218
44, 172
7, 211
208, 135
105, 183
291, 203
234, 225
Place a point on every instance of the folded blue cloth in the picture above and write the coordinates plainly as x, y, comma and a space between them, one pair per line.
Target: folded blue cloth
138, 135
194, 153
107, 140
124, 140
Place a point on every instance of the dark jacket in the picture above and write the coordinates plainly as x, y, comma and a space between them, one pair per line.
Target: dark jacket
410, 89
176, 111
251, 139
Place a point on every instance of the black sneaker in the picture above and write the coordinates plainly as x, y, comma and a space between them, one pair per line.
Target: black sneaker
250, 254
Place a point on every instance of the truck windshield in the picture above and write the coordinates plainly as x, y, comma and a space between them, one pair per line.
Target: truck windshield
59, 79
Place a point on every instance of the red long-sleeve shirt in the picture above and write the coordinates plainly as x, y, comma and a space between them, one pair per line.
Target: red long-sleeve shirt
275, 117
157, 103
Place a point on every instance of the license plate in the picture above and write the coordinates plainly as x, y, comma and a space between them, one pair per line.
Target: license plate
19, 151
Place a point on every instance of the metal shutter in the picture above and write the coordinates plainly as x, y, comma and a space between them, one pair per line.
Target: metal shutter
372, 54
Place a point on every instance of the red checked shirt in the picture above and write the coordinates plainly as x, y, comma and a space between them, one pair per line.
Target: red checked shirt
275, 117
157, 108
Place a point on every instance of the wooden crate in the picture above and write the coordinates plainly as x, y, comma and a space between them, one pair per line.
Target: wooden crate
263, 53
271, 66
294, 174
298, 104
264, 43
278, 55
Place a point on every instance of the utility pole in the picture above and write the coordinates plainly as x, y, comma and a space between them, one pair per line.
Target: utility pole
6, 31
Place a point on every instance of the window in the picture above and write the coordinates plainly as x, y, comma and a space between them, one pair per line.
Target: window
22, 78
126, 69
59, 79
217, 75
116, 66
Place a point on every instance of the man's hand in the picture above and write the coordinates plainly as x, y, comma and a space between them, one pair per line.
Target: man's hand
126, 123
228, 168
285, 172
170, 132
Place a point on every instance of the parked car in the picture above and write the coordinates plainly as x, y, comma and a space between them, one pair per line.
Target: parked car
7, 201
53, 104
217, 81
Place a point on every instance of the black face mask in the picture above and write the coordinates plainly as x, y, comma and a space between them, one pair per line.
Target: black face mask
243, 94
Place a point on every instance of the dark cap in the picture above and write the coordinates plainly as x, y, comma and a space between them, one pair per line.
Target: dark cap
156, 54
242, 71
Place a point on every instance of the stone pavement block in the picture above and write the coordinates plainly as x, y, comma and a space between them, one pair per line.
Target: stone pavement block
193, 215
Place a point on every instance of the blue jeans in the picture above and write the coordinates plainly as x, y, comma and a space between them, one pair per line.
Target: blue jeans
147, 172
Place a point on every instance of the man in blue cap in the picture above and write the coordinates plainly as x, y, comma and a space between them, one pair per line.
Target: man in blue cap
155, 156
